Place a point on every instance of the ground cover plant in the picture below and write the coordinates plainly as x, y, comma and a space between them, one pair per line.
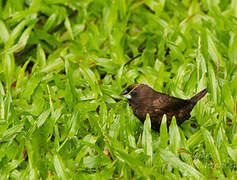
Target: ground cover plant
63, 64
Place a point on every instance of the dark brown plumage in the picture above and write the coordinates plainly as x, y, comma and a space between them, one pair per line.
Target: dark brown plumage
144, 100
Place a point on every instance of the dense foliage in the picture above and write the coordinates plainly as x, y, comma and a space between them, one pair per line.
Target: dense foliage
63, 64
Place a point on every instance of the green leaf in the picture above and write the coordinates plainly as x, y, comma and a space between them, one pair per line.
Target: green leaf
73, 124
195, 139
147, 139
8, 68
91, 79
103, 115
232, 51
4, 35
55, 65
212, 81
133, 162
186, 169
21, 73
31, 85
163, 132
43, 117
95, 161
211, 147
227, 97
59, 166
110, 16
214, 53
15, 33
232, 153
12, 131
175, 140
21, 43
41, 56
50, 22
68, 27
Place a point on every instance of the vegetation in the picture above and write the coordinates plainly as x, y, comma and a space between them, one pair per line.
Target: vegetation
63, 64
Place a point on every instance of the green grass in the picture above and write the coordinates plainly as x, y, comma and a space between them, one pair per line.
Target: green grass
59, 114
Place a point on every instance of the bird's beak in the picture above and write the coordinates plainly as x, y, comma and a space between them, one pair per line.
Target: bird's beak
126, 94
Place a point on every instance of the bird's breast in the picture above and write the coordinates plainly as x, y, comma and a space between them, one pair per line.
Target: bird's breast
140, 111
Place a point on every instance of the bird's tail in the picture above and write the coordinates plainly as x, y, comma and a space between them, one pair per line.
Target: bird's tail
198, 96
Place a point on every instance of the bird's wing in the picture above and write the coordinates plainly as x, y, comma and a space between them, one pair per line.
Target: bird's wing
165, 103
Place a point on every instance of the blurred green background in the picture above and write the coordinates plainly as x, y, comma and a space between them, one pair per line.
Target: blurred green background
63, 64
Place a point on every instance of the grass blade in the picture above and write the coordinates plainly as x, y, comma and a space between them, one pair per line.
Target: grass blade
147, 139
163, 133
211, 147
188, 170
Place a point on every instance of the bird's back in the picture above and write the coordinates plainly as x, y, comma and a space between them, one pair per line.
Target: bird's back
172, 106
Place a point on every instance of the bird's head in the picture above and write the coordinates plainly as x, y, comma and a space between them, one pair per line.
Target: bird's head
137, 91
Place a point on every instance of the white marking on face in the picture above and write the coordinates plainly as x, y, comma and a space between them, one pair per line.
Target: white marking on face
128, 96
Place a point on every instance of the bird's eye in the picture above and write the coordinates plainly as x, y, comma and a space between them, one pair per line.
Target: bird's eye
125, 91
129, 93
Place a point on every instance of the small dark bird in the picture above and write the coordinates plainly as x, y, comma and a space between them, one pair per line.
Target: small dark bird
144, 100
